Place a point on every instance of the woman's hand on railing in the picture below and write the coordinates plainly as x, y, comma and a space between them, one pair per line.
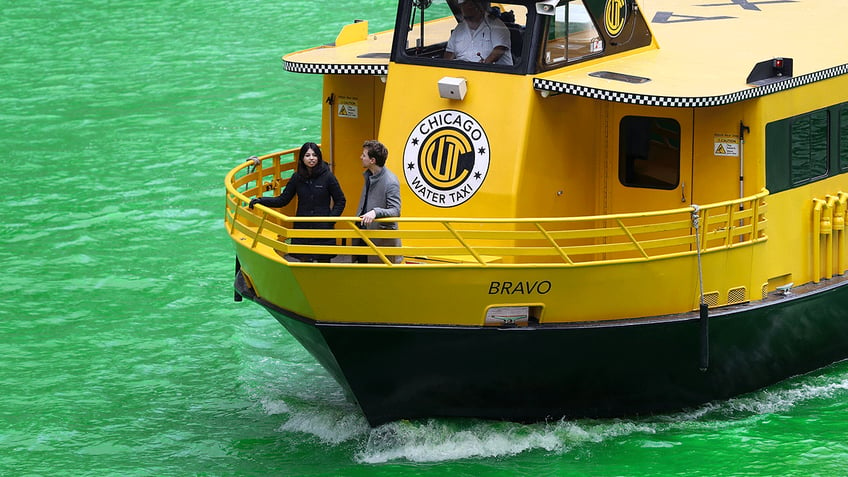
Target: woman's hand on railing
254, 201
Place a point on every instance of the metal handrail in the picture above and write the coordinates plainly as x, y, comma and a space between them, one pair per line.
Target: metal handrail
566, 241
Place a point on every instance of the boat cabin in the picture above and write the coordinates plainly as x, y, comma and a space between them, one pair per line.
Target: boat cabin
466, 135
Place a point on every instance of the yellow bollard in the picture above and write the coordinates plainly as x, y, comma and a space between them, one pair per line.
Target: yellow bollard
839, 226
816, 239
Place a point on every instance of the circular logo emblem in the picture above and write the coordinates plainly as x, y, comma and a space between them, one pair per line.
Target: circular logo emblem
446, 158
615, 15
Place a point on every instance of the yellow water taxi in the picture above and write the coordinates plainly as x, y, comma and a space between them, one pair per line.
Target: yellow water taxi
641, 210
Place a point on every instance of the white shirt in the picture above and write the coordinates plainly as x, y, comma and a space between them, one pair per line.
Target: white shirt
475, 45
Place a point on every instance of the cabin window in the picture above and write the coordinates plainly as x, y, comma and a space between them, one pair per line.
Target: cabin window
571, 35
809, 156
798, 148
423, 38
432, 24
649, 152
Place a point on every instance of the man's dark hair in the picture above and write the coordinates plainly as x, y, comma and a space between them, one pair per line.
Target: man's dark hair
377, 151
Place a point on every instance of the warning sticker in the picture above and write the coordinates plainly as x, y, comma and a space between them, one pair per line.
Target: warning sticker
726, 145
348, 107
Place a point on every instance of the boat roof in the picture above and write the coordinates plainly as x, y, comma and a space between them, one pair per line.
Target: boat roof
704, 55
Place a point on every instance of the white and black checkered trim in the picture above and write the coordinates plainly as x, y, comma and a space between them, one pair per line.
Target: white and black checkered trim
687, 102
334, 69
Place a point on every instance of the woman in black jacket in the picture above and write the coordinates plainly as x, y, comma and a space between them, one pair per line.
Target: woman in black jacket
314, 184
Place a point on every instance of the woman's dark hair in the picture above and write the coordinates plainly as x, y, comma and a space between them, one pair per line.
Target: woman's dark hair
301, 167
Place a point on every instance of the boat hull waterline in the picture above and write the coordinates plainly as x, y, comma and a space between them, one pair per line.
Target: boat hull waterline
596, 370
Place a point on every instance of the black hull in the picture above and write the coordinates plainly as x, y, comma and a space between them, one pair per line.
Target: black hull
599, 370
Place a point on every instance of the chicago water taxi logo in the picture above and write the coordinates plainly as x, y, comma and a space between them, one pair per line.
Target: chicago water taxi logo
615, 15
446, 158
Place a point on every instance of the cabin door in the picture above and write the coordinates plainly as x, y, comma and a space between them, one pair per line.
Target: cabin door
649, 158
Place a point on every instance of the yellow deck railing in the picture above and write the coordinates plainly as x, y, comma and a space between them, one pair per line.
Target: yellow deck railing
568, 241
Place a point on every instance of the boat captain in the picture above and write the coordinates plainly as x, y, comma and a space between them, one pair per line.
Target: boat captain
479, 37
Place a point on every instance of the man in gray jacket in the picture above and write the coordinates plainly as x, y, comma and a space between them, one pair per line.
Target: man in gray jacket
380, 196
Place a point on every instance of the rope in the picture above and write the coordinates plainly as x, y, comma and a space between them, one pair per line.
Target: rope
256, 162
696, 223
251, 168
703, 308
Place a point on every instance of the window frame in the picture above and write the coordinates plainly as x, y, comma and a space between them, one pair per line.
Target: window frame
551, 21
432, 52
629, 152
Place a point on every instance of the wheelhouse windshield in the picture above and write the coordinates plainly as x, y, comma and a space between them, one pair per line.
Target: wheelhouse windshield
517, 36
472, 34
